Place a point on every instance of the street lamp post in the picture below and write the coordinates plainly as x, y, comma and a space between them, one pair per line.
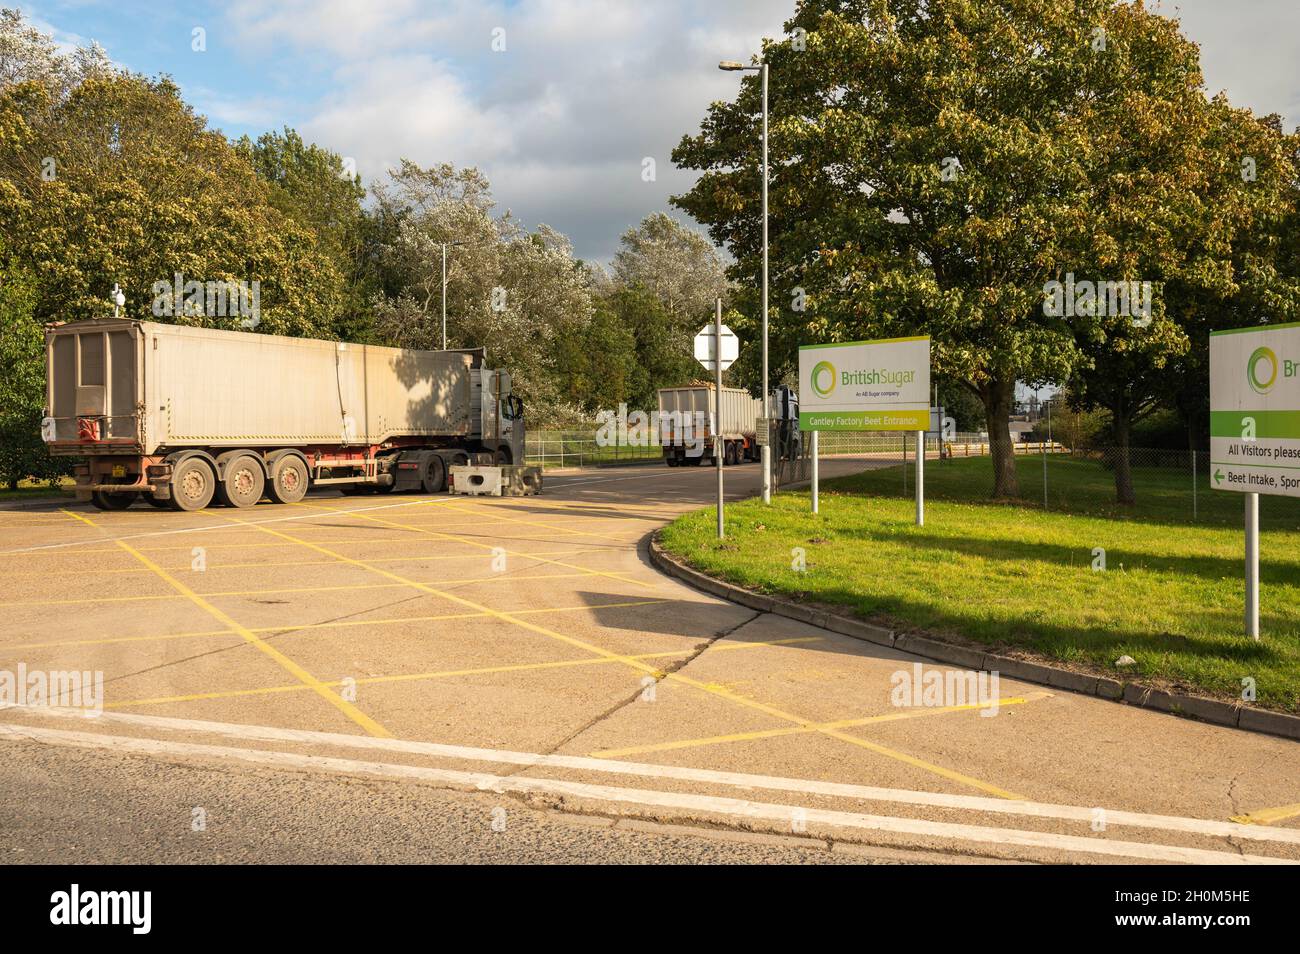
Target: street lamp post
766, 450
444, 291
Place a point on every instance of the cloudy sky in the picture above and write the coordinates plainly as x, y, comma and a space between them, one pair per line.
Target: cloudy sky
564, 116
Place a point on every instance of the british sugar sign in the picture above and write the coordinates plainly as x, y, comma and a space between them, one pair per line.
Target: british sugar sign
1255, 410
865, 386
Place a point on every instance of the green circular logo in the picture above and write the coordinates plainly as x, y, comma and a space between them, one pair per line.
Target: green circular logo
1252, 370
819, 371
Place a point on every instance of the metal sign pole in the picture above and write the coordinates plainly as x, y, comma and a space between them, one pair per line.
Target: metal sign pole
718, 453
1252, 566
920, 478
814, 471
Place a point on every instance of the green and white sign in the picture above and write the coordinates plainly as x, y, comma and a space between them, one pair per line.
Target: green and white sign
1255, 410
865, 385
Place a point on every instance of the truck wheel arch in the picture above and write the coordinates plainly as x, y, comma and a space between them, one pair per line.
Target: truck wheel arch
273, 458
225, 457
179, 457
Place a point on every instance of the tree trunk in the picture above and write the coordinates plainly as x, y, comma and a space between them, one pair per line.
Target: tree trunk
998, 396
1124, 492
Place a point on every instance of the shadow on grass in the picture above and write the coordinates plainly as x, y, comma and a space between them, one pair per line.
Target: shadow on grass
1028, 631
1079, 557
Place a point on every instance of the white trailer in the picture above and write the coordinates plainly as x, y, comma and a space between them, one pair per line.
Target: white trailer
178, 415
687, 426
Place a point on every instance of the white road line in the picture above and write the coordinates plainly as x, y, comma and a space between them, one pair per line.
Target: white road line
1195, 826
220, 526
732, 807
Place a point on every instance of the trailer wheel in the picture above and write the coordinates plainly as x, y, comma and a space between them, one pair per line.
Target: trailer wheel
671, 461
289, 480
106, 501
434, 478
244, 482
193, 484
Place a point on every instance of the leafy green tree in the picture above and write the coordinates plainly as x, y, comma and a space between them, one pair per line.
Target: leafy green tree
1260, 281
597, 363
22, 385
937, 162
515, 292
312, 186
117, 181
680, 267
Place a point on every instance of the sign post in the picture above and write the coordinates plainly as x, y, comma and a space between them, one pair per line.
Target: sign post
813, 451
1255, 427
716, 348
920, 478
869, 386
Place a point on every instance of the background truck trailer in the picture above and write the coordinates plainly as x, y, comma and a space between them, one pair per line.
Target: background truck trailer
180, 415
683, 444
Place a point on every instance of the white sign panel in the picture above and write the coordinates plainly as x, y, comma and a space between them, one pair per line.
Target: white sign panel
1255, 410
706, 347
865, 385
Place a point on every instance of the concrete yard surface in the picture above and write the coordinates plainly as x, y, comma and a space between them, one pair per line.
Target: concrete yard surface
414, 678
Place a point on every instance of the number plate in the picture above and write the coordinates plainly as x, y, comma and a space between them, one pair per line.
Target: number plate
119, 470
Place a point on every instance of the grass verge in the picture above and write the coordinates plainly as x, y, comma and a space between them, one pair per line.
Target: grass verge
35, 490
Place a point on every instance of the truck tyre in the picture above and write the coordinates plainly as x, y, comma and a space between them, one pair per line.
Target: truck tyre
153, 501
672, 461
105, 501
289, 480
433, 479
193, 484
243, 483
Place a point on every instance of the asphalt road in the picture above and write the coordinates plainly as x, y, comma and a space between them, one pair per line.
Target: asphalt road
387, 678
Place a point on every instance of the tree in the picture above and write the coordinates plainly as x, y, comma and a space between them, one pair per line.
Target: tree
22, 385
515, 292
678, 266
597, 364
120, 183
1261, 277
311, 186
936, 163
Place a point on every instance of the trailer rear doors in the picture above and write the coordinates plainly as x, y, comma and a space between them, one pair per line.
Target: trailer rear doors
93, 384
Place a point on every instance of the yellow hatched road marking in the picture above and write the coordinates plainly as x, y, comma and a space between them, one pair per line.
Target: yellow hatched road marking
295, 627
497, 578
442, 674
274, 563
1266, 816
486, 546
799, 730
77, 516
222, 546
297, 671
675, 677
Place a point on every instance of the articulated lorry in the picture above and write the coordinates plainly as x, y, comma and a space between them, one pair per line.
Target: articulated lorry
180, 416
686, 418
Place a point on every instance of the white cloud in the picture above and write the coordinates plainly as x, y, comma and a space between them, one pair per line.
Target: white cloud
561, 120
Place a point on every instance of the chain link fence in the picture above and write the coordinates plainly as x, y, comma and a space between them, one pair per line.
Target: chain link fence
579, 449
1171, 484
